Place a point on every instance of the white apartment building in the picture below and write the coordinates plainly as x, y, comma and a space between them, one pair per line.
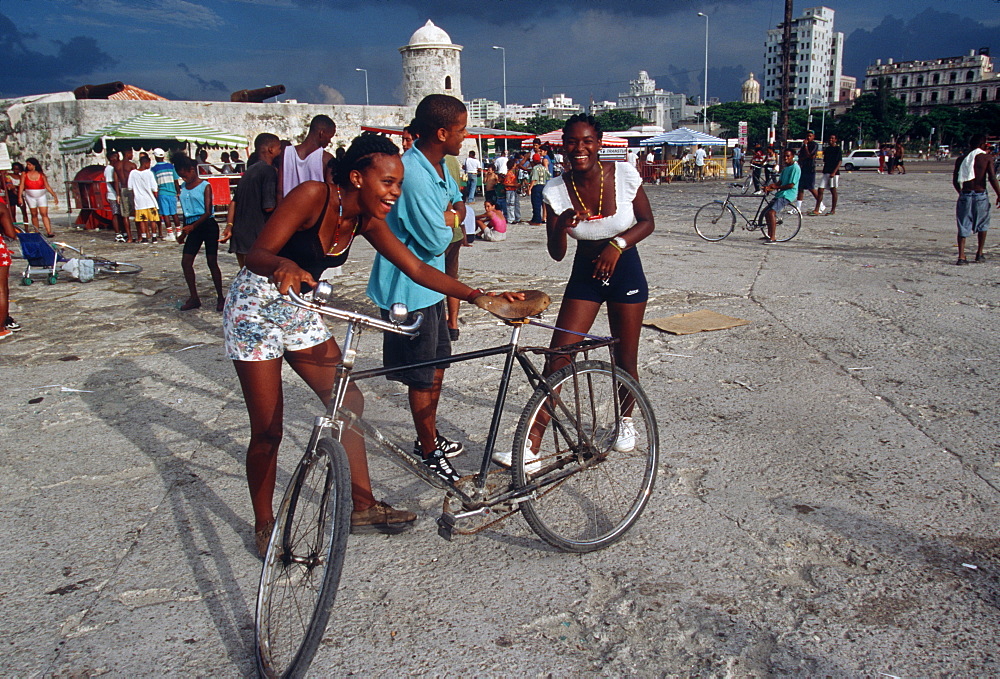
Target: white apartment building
953, 81
659, 107
521, 113
558, 106
816, 60
598, 107
486, 110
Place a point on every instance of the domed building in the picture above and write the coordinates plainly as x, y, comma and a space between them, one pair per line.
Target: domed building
751, 91
432, 64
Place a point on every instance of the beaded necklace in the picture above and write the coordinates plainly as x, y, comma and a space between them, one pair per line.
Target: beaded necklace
600, 200
336, 232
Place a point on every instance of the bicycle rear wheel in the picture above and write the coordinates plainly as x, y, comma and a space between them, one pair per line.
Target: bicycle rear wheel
609, 471
102, 265
303, 563
714, 221
789, 221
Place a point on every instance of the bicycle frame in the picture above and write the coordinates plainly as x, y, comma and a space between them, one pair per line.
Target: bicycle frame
757, 221
336, 416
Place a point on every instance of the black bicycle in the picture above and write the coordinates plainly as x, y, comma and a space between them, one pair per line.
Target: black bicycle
589, 423
716, 220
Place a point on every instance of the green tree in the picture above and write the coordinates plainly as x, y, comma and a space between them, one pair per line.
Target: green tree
540, 125
512, 126
757, 116
619, 120
876, 117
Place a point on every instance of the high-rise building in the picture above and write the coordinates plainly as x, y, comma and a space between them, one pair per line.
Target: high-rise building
558, 106
485, 110
817, 53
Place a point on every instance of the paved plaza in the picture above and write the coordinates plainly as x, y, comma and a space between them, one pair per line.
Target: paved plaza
827, 502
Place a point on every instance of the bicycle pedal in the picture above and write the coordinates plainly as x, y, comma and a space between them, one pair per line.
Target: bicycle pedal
446, 526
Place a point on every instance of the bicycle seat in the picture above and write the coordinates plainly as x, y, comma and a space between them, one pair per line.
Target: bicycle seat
534, 303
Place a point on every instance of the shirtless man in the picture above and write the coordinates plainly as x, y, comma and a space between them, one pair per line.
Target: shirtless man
122, 172
972, 212
306, 161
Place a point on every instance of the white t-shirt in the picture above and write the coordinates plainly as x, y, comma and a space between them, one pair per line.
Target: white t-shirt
699, 157
109, 179
142, 184
627, 185
650, 158
501, 164
472, 166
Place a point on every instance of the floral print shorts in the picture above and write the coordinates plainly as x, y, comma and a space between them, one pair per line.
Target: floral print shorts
258, 326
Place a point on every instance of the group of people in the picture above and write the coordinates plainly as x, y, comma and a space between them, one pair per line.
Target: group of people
891, 158
296, 213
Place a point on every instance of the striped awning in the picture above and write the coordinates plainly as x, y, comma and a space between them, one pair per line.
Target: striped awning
153, 126
683, 136
554, 138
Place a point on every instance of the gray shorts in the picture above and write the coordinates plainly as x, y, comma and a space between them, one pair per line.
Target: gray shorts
431, 343
829, 181
972, 212
778, 203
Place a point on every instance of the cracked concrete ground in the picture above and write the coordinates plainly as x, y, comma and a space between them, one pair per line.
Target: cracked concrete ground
827, 503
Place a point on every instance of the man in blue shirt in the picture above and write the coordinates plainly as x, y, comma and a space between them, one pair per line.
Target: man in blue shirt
167, 181
787, 188
430, 204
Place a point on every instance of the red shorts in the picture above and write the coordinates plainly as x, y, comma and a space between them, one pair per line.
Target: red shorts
5, 259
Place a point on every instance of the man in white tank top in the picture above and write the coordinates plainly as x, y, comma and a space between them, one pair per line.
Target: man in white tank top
306, 161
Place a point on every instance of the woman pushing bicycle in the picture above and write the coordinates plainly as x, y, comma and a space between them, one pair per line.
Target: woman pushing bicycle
312, 230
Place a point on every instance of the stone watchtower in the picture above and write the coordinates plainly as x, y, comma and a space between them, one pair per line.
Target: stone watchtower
431, 65
751, 91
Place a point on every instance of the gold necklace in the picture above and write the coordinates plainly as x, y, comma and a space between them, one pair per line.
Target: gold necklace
600, 200
336, 232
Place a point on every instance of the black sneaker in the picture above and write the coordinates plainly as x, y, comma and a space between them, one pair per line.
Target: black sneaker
979, 258
450, 448
439, 464
11, 324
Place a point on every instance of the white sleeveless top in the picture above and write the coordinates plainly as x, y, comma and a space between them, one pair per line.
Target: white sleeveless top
627, 183
295, 170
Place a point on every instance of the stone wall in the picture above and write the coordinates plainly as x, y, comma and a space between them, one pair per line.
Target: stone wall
34, 128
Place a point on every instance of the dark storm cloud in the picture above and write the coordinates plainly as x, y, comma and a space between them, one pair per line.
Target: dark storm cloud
507, 11
928, 35
29, 70
207, 85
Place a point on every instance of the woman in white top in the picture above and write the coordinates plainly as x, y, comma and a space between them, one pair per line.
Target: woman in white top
604, 208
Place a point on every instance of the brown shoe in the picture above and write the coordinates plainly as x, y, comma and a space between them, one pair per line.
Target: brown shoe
381, 518
263, 537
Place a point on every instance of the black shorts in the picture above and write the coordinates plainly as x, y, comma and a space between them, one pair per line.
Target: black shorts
807, 180
627, 284
431, 343
207, 233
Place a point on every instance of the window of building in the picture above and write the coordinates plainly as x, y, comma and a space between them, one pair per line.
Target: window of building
934, 97
918, 97
951, 95
968, 95
447, 82
904, 81
937, 78
920, 80
954, 77
997, 94
903, 97
970, 76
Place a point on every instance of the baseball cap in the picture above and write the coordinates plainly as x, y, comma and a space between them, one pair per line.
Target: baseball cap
159, 153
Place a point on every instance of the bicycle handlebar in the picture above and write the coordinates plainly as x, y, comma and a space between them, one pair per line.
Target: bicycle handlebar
350, 316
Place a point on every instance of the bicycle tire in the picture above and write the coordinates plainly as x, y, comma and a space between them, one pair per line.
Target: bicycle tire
602, 499
711, 223
102, 265
301, 572
789, 221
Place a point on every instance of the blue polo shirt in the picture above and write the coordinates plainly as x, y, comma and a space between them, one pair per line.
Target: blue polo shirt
417, 219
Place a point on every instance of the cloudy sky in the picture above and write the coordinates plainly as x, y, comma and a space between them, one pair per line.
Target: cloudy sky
186, 49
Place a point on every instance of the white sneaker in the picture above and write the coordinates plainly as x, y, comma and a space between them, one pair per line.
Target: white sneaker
625, 443
504, 458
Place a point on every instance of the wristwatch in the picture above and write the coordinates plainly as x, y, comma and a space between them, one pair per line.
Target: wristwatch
620, 242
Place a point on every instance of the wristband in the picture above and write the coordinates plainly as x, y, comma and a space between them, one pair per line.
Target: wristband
478, 292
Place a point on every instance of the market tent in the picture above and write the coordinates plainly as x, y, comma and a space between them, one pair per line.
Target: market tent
683, 136
473, 132
152, 127
554, 138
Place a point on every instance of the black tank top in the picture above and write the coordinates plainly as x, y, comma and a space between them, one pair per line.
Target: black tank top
306, 249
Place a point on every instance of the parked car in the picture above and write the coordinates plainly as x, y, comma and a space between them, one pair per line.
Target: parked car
861, 158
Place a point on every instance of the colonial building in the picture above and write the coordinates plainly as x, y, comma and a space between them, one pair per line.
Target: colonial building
816, 60
751, 91
953, 81
657, 106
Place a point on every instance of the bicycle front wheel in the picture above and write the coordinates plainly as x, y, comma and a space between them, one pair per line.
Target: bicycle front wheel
605, 465
102, 265
303, 563
714, 221
789, 221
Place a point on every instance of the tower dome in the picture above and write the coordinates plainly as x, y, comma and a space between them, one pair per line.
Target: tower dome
432, 64
751, 91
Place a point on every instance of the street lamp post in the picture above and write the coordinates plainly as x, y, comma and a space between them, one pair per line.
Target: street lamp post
704, 103
365, 71
503, 54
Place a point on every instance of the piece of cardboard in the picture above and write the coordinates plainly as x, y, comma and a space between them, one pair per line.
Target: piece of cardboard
4, 157
702, 320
